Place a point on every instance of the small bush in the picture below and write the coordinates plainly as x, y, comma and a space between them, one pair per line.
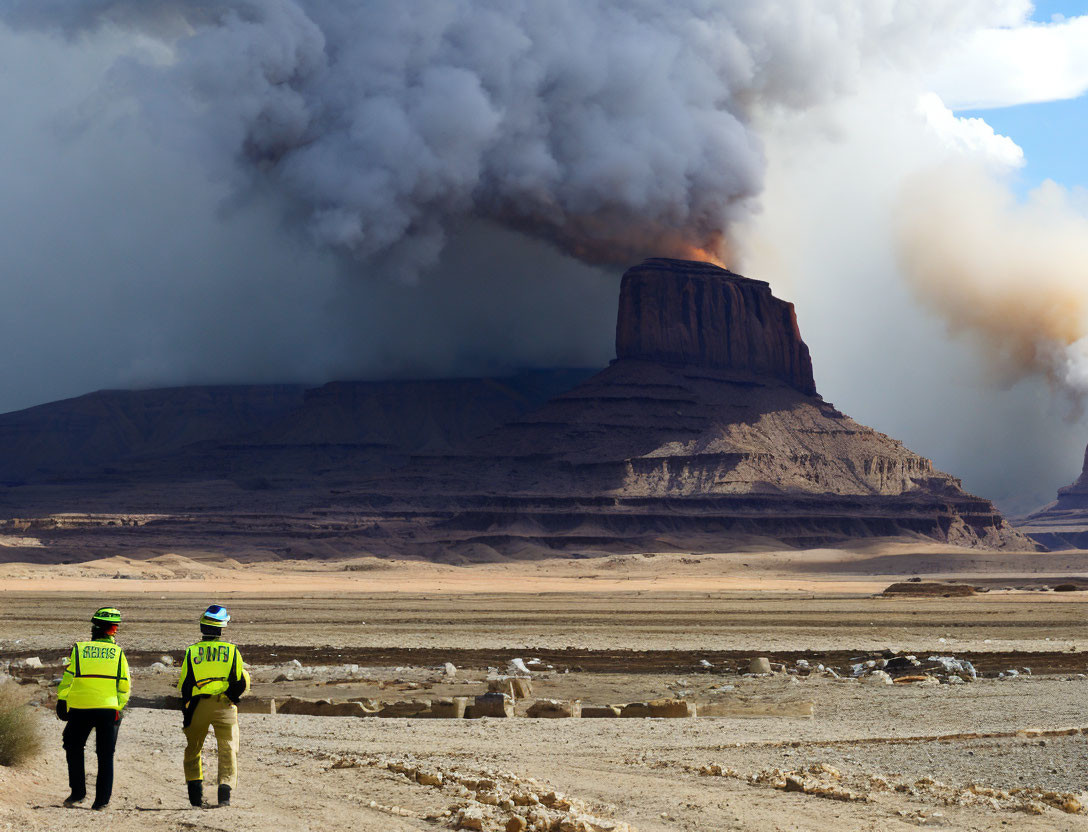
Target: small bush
20, 727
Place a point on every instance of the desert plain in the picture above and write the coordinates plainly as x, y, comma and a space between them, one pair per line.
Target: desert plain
802, 748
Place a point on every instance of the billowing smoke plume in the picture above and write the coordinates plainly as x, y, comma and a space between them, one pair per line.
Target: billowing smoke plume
1014, 274
614, 129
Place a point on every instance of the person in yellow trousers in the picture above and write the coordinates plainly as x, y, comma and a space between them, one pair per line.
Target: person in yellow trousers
93, 692
213, 679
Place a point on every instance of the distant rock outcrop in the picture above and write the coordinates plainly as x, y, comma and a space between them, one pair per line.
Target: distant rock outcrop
1075, 497
1064, 523
273, 430
697, 314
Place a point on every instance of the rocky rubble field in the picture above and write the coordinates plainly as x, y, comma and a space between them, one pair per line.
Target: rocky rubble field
842, 714
994, 754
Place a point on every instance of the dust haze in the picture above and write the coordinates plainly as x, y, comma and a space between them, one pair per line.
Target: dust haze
1014, 274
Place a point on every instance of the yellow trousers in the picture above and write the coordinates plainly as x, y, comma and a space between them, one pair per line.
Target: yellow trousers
221, 715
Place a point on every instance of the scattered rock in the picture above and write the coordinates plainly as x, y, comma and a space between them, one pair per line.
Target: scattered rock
453, 708
555, 709
600, 711
491, 704
902, 665
660, 708
877, 677
429, 778
516, 687
517, 667
408, 708
323, 707
471, 818
760, 666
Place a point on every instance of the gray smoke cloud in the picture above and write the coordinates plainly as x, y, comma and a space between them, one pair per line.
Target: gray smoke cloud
612, 129
248, 190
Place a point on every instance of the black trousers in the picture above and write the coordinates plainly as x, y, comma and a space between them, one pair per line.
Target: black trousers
104, 723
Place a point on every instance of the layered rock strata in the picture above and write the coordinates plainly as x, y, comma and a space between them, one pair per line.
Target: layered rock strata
284, 433
705, 434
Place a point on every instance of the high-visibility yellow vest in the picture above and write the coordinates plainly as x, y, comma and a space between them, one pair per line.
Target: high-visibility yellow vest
213, 666
96, 676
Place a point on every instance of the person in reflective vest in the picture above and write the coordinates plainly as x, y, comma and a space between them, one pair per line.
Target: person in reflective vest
93, 692
213, 679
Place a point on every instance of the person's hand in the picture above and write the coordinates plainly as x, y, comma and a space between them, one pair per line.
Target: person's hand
62, 710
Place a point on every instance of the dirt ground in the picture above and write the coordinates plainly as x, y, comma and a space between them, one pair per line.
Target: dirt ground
996, 753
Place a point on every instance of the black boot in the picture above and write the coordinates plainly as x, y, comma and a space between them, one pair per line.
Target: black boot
224, 794
98, 807
196, 792
73, 799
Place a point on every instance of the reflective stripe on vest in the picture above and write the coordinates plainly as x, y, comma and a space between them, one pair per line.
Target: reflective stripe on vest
95, 661
211, 662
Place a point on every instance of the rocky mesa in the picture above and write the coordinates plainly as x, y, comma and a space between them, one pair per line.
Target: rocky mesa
705, 434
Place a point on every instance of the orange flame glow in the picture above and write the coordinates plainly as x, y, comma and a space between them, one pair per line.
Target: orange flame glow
706, 255
713, 250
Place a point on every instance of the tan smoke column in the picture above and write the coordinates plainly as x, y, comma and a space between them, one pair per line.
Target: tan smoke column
1014, 274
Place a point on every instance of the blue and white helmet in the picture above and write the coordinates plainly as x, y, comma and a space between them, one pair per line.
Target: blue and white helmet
215, 616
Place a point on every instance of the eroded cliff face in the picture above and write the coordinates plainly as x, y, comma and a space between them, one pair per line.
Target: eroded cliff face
706, 434
1064, 523
1075, 497
697, 314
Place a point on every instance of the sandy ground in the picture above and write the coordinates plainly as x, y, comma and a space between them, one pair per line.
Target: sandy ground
636, 771
863, 571
985, 755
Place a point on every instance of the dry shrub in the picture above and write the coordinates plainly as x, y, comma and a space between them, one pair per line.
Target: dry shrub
20, 727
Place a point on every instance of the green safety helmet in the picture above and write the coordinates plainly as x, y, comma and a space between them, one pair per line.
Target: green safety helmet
215, 616
107, 615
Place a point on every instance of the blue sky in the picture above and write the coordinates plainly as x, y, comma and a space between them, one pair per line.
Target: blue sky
1045, 11
1052, 135
1052, 132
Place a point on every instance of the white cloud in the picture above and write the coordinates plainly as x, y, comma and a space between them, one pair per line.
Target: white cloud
971, 136
1003, 67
